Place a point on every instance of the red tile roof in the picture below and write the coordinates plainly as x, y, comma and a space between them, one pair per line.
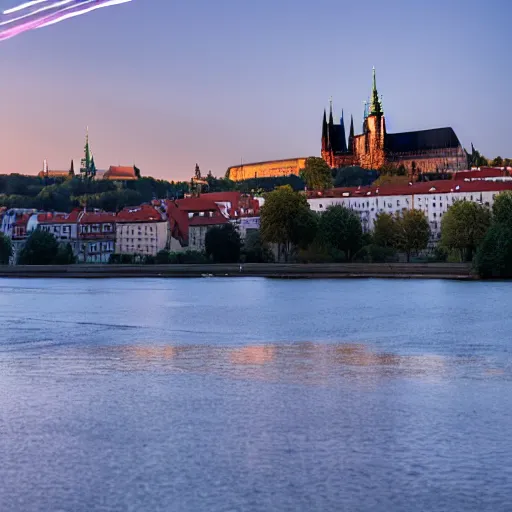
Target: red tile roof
22, 219
143, 213
179, 220
484, 172
224, 197
429, 187
96, 218
58, 218
207, 221
120, 173
196, 204
240, 205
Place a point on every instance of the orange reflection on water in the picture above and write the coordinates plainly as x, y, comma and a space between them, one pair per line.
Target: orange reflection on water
257, 354
150, 353
304, 362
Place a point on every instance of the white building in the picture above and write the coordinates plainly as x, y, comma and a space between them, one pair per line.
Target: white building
432, 198
96, 236
63, 226
141, 230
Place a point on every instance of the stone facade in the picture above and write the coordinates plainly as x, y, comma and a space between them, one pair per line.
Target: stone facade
270, 169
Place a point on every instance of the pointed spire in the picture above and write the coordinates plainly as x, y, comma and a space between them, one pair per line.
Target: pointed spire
351, 135
92, 168
324, 131
375, 105
72, 168
343, 136
85, 163
331, 120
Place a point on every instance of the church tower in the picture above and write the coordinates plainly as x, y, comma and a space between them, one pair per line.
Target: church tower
373, 155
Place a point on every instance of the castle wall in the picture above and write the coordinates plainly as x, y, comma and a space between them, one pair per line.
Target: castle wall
450, 159
272, 169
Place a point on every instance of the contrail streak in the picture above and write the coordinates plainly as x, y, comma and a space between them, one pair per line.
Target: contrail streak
53, 5
24, 6
108, 3
54, 11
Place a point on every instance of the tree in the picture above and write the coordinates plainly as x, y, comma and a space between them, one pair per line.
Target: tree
5, 249
391, 179
475, 159
223, 244
65, 255
494, 256
497, 162
413, 232
385, 230
41, 248
316, 174
163, 257
256, 250
340, 229
354, 177
502, 208
287, 220
463, 227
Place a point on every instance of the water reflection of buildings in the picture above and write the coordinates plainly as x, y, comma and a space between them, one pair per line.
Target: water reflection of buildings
256, 355
311, 363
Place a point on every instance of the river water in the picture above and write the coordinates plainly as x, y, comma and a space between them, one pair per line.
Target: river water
255, 395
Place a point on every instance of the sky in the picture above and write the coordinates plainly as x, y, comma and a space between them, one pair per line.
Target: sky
166, 84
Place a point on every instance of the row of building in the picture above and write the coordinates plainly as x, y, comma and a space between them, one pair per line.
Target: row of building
143, 230
180, 225
433, 198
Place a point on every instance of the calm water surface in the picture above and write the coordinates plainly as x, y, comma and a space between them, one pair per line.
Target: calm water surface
255, 395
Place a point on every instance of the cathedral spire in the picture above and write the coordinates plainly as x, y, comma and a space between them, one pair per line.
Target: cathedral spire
351, 135
343, 136
324, 126
324, 131
331, 120
375, 105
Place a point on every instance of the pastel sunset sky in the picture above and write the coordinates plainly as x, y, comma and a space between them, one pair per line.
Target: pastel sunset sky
164, 84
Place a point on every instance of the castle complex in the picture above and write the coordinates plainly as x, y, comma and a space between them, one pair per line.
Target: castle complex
421, 151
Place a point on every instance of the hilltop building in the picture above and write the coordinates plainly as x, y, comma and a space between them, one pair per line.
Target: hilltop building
421, 151
270, 169
113, 173
47, 173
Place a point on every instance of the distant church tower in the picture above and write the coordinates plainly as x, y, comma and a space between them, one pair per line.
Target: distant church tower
372, 155
87, 166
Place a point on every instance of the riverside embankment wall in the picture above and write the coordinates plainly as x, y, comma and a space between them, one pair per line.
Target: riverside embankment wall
276, 270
